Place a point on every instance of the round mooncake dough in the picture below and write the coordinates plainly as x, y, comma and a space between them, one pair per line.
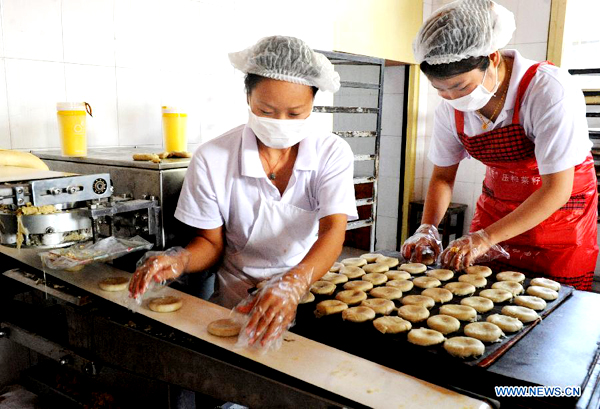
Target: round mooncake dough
114, 284
375, 278
403, 285
460, 289
389, 293
398, 275
351, 297
426, 282
413, 268
329, 307
484, 331
475, 280
464, 347
546, 282
542, 292
445, 324
370, 257
441, 274
421, 300
523, 314
391, 325
505, 323
413, 313
307, 298
481, 304
375, 268
358, 314
334, 278
165, 304
336, 267
530, 301
511, 286
439, 295
352, 272
510, 276
496, 295
481, 271
388, 261
379, 305
460, 312
354, 261
358, 285
224, 328
425, 337
322, 288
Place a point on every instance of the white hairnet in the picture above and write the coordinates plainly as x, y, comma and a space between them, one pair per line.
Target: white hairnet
463, 29
287, 59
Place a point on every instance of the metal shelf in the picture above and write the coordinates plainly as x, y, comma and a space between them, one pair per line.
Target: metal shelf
356, 134
359, 224
363, 179
362, 158
345, 110
363, 85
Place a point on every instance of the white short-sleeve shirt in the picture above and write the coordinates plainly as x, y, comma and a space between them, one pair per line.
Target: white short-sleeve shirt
225, 180
552, 114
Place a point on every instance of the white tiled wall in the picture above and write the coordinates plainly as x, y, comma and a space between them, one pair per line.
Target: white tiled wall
129, 57
530, 39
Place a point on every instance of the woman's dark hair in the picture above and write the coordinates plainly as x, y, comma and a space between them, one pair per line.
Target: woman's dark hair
442, 71
252, 80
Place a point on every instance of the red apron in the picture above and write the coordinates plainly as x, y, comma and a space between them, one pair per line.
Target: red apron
562, 247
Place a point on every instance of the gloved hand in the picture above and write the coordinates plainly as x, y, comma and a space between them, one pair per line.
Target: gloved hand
158, 266
271, 310
469, 249
425, 240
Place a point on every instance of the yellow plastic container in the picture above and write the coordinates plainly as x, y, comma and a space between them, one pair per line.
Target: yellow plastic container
174, 125
72, 128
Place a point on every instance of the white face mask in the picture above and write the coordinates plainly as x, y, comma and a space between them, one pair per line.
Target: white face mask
477, 99
278, 133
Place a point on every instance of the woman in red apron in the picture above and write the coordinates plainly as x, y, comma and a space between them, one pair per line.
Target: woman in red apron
525, 121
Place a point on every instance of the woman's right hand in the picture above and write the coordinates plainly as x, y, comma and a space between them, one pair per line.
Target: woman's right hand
158, 266
425, 240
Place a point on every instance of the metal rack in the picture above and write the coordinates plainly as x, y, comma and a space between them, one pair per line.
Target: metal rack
365, 182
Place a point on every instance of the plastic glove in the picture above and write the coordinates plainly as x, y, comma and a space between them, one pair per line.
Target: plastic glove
474, 247
425, 240
158, 266
271, 310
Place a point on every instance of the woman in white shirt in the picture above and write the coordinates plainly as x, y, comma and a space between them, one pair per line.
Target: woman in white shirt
271, 198
526, 122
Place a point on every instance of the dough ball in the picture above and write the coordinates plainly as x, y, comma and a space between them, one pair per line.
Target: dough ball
307, 298
496, 295
375, 268
375, 278
484, 331
441, 274
460, 312
388, 261
329, 307
398, 275
511, 286
224, 328
389, 293
542, 292
481, 304
351, 297
460, 289
413, 313
530, 301
391, 325
354, 261
358, 285
464, 347
165, 304
370, 257
114, 284
358, 314
352, 272
403, 285
334, 278
425, 337
421, 300
426, 282
505, 323
546, 282
510, 276
322, 288
523, 314
336, 267
475, 280
445, 324
439, 295
379, 305
428, 259
413, 268
481, 271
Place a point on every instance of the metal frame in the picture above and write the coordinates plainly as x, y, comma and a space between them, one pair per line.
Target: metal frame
353, 59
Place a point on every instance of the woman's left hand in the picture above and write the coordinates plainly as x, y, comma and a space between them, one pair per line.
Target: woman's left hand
474, 247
